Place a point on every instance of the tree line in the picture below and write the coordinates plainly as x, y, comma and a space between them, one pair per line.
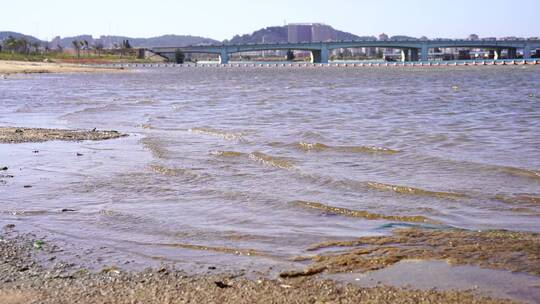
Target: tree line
19, 45
81, 47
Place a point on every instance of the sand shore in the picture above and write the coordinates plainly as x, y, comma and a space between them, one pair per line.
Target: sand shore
24, 279
14, 135
22, 67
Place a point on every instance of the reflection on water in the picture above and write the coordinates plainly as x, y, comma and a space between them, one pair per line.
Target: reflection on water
233, 162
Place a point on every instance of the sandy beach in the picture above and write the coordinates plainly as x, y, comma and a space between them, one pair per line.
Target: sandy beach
26, 280
21, 67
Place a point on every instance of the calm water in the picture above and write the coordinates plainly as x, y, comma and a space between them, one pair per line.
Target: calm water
225, 165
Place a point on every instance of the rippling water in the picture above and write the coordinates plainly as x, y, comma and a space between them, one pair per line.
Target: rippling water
252, 166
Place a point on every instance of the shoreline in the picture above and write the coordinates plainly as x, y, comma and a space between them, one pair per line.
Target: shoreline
8, 67
25, 279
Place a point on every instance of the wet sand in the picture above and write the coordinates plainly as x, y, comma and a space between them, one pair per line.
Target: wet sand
494, 249
21, 67
20, 135
27, 280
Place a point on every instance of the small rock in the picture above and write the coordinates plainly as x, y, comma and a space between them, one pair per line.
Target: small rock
79, 154
18, 131
222, 285
9, 226
27, 186
35, 151
23, 268
212, 268
3, 168
68, 210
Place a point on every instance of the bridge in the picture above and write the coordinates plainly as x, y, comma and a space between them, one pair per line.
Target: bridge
411, 49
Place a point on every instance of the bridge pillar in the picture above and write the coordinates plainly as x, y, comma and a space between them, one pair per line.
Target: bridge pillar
424, 53
497, 54
224, 57
414, 54
319, 56
512, 53
405, 55
527, 52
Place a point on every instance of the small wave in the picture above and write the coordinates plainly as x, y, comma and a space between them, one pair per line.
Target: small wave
27, 212
170, 171
227, 153
414, 191
147, 101
271, 161
309, 147
360, 214
522, 172
228, 250
319, 147
25, 109
365, 149
93, 110
218, 133
146, 126
189, 175
155, 147
520, 199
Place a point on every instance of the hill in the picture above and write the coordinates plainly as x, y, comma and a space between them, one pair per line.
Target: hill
275, 34
111, 41
4, 35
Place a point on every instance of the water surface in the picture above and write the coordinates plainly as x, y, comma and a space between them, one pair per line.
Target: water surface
226, 164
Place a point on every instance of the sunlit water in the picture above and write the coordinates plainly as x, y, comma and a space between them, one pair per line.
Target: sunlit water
226, 164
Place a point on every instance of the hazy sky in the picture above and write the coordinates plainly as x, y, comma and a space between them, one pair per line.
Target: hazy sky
222, 19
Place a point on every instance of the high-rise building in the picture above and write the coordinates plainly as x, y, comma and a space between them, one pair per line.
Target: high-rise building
383, 37
300, 32
322, 32
310, 32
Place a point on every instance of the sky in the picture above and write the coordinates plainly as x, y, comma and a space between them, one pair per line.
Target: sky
222, 19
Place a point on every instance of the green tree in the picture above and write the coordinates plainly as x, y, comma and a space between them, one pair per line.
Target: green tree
86, 47
11, 44
98, 47
124, 47
35, 46
77, 46
179, 56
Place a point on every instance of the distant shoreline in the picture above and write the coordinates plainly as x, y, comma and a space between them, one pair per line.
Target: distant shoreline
24, 67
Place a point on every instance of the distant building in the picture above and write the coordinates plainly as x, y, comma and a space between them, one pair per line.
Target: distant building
310, 32
385, 52
474, 37
322, 32
300, 32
